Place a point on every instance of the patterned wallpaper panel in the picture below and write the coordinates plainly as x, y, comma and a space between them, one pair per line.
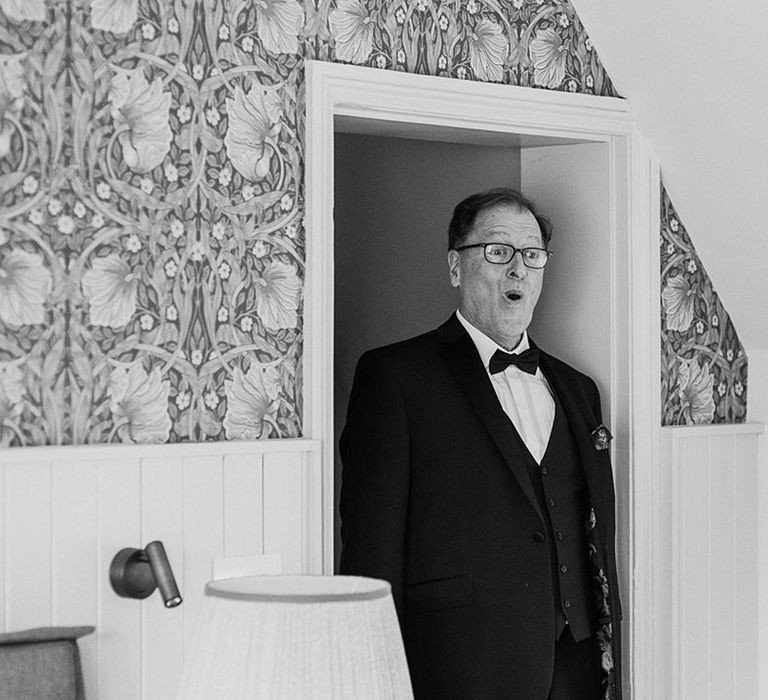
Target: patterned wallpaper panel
152, 255
536, 43
151, 195
703, 364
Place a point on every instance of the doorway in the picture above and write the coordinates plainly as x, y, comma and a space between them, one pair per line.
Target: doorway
583, 162
393, 199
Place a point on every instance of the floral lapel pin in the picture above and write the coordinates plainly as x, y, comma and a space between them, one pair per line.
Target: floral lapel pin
601, 437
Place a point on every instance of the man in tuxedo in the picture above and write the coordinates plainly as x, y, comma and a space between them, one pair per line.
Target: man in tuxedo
477, 481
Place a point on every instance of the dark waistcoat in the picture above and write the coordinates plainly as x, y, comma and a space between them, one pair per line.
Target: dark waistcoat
561, 490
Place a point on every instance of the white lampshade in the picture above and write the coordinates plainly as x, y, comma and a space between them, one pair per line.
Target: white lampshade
295, 638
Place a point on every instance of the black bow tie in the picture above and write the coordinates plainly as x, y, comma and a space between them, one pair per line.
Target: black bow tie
528, 361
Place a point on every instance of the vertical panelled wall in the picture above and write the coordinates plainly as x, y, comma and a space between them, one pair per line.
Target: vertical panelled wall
710, 589
65, 513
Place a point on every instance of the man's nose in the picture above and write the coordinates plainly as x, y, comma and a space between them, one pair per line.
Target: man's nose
516, 267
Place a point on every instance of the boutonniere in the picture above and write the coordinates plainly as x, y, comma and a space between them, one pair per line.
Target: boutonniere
601, 437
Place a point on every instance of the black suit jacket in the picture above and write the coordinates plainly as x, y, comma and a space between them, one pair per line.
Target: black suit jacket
437, 500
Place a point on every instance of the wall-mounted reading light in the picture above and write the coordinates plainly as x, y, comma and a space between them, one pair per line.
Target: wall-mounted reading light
135, 573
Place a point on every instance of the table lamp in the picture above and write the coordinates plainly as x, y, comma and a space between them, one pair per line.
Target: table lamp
296, 638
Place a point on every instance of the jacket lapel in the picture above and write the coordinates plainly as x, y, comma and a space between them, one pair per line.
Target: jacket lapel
581, 419
464, 362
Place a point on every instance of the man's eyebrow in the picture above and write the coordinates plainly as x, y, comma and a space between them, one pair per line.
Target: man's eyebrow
530, 236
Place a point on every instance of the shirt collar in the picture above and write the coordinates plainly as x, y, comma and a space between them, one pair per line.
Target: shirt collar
487, 346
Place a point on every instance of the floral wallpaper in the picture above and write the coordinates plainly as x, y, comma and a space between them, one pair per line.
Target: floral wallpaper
536, 43
151, 241
151, 195
704, 367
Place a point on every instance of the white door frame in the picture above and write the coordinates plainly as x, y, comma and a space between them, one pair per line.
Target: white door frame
427, 106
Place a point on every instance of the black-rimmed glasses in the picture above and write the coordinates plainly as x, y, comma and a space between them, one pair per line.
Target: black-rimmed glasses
501, 254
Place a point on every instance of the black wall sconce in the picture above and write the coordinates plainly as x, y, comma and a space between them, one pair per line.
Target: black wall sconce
135, 573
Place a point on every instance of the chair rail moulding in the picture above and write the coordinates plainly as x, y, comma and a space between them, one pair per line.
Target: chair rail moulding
417, 106
72, 454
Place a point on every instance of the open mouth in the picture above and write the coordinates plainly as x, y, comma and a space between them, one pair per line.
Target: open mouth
513, 296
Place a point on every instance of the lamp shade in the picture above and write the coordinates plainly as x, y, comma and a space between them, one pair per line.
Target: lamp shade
296, 637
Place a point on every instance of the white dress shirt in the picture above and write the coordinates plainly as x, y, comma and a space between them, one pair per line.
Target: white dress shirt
526, 398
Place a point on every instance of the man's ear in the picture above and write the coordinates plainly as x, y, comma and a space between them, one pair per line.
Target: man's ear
453, 268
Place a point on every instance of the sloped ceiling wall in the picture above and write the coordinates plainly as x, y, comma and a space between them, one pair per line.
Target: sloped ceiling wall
151, 214
695, 74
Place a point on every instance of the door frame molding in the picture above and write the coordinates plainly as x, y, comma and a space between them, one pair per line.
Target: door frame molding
396, 103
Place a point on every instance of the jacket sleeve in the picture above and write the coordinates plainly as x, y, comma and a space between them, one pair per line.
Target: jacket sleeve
375, 455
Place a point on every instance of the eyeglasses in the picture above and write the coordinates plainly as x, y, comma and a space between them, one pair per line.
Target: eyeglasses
501, 254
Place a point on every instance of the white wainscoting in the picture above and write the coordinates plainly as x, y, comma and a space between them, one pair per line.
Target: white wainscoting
711, 591
66, 511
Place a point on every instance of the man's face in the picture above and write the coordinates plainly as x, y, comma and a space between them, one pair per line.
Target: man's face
498, 299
